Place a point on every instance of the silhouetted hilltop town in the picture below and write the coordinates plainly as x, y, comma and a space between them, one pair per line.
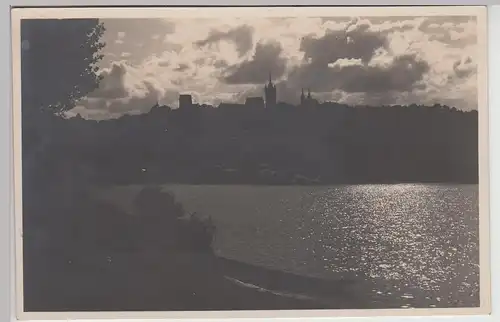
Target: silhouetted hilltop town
263, 141
257, 102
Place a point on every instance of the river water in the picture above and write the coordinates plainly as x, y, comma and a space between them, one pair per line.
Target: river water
416, 244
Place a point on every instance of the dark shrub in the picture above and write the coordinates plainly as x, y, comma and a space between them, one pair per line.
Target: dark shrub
165, 223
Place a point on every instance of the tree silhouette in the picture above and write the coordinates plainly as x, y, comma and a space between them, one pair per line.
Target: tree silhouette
59, 61
58, 67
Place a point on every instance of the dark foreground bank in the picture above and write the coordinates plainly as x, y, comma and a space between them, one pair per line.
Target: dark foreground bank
173, 282
81, 254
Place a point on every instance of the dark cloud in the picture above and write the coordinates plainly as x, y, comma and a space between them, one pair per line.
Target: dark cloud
267, 58
112, 83
241, 36
358, 43
136, 104
324, 71
403, 74
115, 98
320, 72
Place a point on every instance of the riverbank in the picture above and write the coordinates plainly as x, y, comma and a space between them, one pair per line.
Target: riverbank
93, 256
171, 282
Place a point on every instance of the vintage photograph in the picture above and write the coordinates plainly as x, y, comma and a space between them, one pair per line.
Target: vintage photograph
250, 159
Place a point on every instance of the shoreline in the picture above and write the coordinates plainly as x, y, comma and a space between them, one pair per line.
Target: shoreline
283, 184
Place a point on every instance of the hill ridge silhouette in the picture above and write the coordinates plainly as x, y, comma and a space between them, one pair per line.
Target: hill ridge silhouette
328, 143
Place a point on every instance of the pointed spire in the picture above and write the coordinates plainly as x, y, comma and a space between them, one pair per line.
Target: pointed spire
270, 79
308, 93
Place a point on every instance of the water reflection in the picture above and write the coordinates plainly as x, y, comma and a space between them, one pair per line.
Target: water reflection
414, 245
419, 237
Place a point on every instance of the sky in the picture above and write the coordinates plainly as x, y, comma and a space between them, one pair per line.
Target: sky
351, 60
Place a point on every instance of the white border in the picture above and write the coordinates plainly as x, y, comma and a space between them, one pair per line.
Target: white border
215, 12
270, 12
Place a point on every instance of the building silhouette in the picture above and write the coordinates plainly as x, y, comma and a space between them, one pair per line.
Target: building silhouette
270, 93
255, 102
309, 100
227, 105
185, 101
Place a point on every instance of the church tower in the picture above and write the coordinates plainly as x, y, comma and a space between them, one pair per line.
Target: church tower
270, 93
308, 100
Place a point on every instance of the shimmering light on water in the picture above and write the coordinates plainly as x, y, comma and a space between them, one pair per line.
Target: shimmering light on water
417, 236
416, 245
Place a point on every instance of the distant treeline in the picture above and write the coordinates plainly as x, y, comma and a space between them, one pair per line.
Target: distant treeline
324, 144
